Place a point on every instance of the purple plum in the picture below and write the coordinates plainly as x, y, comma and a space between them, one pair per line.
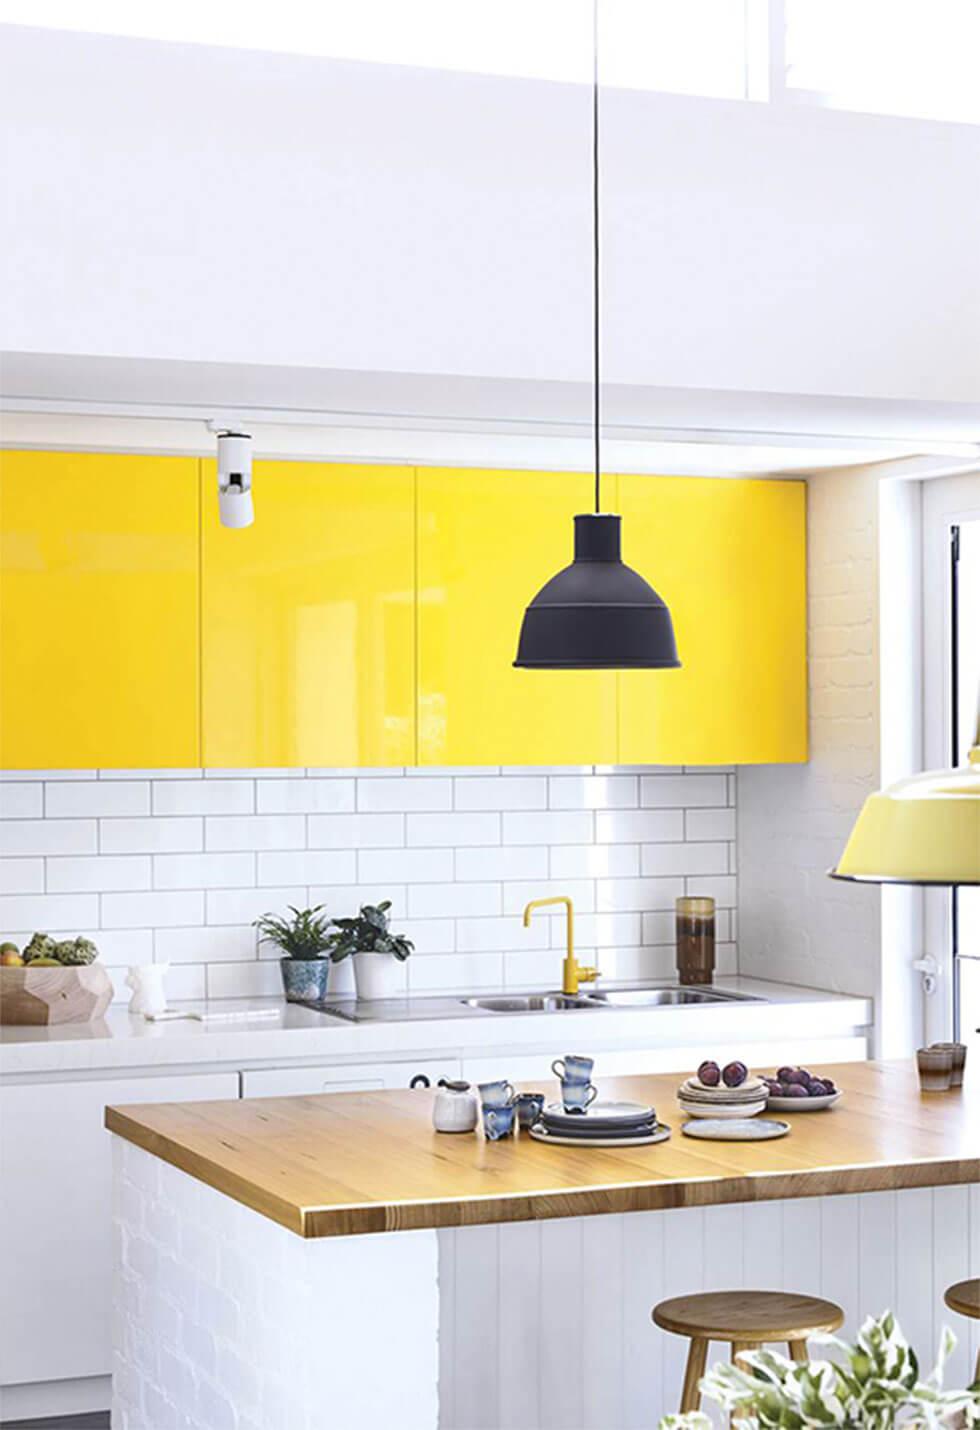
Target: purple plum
794, 1078
783, 1074
829, 1084
734, 1074
817, 1088
709, 1074
794, 1089
774, 1086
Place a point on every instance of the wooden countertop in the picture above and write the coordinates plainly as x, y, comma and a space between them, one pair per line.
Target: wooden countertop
341, 1164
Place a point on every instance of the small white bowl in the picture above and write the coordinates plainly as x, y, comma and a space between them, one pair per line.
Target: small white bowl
722, 1109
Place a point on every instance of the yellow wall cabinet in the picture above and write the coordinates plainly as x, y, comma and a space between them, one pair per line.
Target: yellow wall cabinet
98, 611
308, 619
371, 614
487, 542
729, 558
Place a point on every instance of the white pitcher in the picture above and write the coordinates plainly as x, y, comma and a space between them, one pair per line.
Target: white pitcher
147, 983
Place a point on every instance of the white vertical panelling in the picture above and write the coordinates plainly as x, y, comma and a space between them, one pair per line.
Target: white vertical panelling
563, 1291
438, 842
602, 1345
448, 1321
520, 1326
573, 1346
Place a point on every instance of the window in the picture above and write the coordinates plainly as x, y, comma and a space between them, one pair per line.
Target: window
965, 701
916, 58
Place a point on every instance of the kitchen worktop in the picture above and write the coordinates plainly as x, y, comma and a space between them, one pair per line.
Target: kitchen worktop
370, 1162
121, 1040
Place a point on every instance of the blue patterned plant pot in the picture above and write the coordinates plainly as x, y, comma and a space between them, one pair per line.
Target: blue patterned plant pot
305, 979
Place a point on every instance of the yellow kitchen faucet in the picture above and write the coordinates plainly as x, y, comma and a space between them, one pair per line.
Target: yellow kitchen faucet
572, 972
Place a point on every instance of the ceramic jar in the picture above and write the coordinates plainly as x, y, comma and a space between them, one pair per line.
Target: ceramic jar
455, 1108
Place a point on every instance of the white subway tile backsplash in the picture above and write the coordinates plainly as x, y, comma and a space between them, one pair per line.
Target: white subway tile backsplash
709, 824
492, 792
242, 906
223, 944
21, 801
120, 911
311, 796
552, 827
400, 794
627, 826
99, 873
43, 836
356, 831
150, 836
593, 792
203, 797
21, 876
204, 871
257, 831
453, 900
458, 851
507, 861
307, 866
405, 866
76, 912
684, 859
681, 791
101, 798
452, 830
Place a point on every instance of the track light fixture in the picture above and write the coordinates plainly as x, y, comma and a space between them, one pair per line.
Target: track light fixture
235, 479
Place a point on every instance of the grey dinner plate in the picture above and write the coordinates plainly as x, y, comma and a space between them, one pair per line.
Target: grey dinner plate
602, 1114
735, 1129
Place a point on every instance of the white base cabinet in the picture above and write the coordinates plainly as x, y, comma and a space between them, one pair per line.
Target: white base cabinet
56, 1219
353, 1077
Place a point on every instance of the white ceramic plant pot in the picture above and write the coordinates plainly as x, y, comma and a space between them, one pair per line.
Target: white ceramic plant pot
341, 984
378, 975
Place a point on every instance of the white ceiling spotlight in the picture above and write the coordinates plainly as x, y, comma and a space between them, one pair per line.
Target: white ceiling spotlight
235, 478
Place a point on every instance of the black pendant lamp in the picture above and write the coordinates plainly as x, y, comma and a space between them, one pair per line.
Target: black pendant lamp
597, 614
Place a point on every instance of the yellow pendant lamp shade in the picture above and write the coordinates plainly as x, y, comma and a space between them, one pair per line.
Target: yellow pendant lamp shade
922, 830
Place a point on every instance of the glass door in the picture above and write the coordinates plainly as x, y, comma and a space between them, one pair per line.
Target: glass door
965, 702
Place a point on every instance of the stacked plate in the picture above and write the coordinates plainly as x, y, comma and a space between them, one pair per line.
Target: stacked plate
698, 1100
604, 1124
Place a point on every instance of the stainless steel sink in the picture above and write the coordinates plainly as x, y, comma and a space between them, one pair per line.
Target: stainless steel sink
533, 1003
664, 997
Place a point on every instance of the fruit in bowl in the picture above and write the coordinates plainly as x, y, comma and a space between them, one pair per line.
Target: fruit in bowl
799, 1083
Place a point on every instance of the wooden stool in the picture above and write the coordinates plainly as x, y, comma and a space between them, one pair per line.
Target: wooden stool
745, 1319
965, 1298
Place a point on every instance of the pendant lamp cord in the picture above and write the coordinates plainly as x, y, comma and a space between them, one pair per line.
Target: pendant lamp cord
595, 244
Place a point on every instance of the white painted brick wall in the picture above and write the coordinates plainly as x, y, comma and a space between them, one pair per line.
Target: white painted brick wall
795, 924
173, 866
223, 1320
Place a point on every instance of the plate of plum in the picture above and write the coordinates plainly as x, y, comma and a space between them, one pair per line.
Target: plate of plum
798, 1090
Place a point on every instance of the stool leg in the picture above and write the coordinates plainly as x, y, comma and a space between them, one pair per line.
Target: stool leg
696, 1358
798, 1351
976, 1373
738, 1347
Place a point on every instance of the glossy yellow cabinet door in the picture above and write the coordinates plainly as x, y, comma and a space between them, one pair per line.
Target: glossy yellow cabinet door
729, 558
488, 541
308, 619
98, 611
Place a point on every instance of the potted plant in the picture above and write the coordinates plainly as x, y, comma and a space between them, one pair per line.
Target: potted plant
305, 942
377, 952
874, 1385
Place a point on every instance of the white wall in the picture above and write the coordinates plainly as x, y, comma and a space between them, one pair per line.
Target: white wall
177, 201
794, 820
173, 866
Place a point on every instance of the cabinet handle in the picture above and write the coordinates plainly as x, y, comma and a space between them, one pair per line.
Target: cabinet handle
420, 1080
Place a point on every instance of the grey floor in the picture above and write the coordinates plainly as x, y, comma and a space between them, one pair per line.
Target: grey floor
98, 1421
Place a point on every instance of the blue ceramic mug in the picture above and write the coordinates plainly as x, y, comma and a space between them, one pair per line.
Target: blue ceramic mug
574, 1067
499, 1121
496, 1094
530, 1106
577, 1096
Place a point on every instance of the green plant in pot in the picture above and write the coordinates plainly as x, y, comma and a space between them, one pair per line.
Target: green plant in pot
377, 952
304, 940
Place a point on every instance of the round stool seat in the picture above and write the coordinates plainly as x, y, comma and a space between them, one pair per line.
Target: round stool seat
743, 1317
965, 1298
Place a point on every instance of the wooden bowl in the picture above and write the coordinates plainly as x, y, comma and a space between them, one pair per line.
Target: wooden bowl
38, 996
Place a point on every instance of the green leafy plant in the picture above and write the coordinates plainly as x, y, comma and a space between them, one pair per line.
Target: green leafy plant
369, 933
874, 1385
67, 951
305, 935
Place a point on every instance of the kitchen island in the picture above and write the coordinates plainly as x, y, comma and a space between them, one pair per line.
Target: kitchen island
331, 1261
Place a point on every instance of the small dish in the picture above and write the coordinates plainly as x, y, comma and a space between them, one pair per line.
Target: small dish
803, 1104
721, 1111
745, 1129
659, 1134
